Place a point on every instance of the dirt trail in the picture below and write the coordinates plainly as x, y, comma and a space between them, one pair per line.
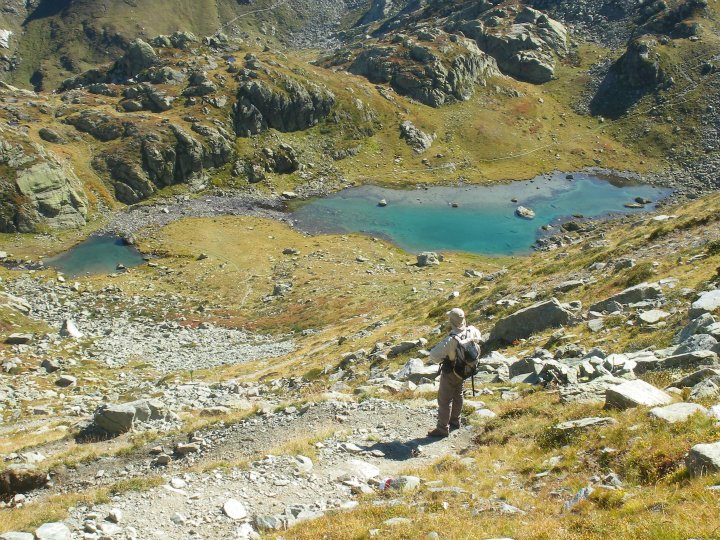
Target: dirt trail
375, 438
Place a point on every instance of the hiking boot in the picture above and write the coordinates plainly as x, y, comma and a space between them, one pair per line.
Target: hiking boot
437, 433
454, 425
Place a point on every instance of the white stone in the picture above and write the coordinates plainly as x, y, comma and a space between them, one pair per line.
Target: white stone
53, 531
70, 329
653, 316
677, 412
634, 394
5, 38
304, 464
707, 303
355, 468
703, 459
234, 509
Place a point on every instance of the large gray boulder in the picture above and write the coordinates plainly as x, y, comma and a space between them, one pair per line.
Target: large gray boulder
697, 343
590, 392
707, 303
695, 378
703, 459
688, 360
38, 189
416, 139
528, 321
631, 295
120, 418
707, 389
115, 418
677, 412
698, 325
634, 394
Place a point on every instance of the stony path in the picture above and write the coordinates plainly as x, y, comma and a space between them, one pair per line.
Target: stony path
351, 444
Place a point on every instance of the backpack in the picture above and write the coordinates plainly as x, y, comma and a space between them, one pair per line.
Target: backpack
467, 353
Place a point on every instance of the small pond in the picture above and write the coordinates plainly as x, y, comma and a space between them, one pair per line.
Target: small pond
97, 255
476, 219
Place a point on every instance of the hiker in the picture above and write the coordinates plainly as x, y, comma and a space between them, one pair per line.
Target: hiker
450, 393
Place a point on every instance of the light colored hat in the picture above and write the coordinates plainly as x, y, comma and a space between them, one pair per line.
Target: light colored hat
456, 316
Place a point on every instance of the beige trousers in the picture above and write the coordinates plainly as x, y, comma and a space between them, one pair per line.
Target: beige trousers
450, 400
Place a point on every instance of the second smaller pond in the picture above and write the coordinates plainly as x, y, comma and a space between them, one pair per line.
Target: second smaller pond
97, 255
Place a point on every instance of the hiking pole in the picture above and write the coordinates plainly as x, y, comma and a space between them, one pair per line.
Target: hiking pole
472, 380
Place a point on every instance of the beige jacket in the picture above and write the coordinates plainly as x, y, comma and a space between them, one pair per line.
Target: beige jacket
447, 347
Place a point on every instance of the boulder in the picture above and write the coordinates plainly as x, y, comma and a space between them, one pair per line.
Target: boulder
573, 426
677, 412
405, 346
708, 302
18, 339
70, 329
101, 126
653, 316
5, 36
428, 258
17, 536
695, 378
527, 321
697, 343
698, 325
634, 394
234, 509
631, 295
355, 468
53, 531
414, 370
418, 140
115, 418
525, 213
707, 389
51, 136
590, 392
688, 360
21, 478
703, 459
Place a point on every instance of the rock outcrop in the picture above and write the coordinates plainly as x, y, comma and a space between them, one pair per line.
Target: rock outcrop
286, 105
443, 70
524, 46
38, 189
153, 160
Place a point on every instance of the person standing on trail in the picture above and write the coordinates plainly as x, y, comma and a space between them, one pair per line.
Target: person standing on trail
450, 393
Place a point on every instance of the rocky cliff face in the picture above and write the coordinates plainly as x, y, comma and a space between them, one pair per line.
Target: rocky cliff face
433, 68
37, 189
438, 53
287, 104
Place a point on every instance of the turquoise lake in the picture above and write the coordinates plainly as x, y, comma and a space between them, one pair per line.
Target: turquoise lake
96, 255
484, 220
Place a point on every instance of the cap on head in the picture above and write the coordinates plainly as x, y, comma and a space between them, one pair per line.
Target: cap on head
456, 316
